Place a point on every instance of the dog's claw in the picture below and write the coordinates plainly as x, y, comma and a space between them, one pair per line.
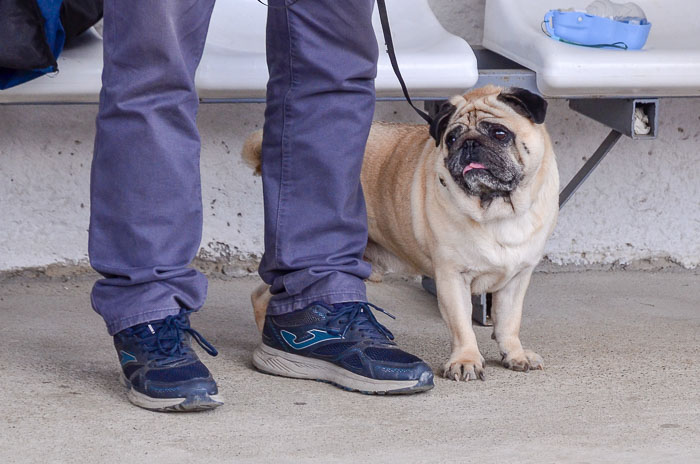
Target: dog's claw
464, 370
523, 361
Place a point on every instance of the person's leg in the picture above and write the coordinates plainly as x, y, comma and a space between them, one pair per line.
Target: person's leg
322, 58
146, 207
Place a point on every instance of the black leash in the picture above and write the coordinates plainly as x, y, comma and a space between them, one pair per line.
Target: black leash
381, 6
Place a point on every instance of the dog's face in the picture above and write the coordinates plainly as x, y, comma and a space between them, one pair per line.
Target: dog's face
489, 140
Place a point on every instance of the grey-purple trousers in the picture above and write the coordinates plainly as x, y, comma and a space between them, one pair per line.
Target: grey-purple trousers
146, 204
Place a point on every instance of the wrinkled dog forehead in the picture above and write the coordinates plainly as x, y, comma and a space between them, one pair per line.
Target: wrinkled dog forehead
470, 111
515, 104
496, 102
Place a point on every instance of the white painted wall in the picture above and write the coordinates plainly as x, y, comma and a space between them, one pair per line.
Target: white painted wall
643, 202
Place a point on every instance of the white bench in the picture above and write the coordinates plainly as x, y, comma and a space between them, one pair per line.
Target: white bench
609, 85
667, 66
434, 63
604, 84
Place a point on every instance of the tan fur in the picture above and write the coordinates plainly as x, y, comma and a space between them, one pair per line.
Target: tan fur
440, 231
252, 152
260, 298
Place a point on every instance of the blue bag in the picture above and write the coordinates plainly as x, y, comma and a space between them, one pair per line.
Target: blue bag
579, 28
55, 37
33, 33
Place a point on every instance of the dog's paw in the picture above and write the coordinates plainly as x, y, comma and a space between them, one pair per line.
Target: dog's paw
523, 361
465, 368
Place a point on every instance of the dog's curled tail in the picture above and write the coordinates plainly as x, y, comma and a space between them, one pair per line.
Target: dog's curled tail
252, 151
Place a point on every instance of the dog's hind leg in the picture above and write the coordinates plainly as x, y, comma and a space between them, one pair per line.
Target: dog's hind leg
373, 256
384, 261
260, 299
507, 311
252, 152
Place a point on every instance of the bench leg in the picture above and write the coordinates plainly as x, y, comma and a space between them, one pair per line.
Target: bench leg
588, 168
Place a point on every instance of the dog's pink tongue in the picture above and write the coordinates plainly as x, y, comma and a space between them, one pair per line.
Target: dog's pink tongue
472, 166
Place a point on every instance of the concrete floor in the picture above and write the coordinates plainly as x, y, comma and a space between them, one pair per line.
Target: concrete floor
621, 384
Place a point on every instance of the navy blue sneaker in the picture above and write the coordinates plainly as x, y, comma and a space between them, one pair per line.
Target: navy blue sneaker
343, 344
160, 368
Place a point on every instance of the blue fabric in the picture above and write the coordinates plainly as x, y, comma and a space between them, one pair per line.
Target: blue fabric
145, 188
146, 204
56, 37
322, 60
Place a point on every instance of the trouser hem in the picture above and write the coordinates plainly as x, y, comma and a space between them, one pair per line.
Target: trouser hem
148, 316
288, 305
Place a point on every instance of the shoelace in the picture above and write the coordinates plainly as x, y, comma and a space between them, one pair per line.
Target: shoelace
166, 337
360, 314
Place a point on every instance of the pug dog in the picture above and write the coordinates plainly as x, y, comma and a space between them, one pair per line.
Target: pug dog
469, 201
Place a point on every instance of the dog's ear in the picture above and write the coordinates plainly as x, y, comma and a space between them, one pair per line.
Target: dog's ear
525, 103
442, 118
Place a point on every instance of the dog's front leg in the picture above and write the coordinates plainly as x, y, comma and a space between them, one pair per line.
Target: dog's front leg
506, 312
454, 300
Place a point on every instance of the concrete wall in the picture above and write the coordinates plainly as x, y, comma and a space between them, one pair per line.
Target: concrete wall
642, 204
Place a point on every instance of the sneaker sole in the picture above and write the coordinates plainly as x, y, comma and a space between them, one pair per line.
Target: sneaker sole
277, 362
198, 401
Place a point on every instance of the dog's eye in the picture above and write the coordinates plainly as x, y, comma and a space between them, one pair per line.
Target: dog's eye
499, 134
451, 139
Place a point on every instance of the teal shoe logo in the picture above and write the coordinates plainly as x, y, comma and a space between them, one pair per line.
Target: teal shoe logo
126, 358
316, 336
